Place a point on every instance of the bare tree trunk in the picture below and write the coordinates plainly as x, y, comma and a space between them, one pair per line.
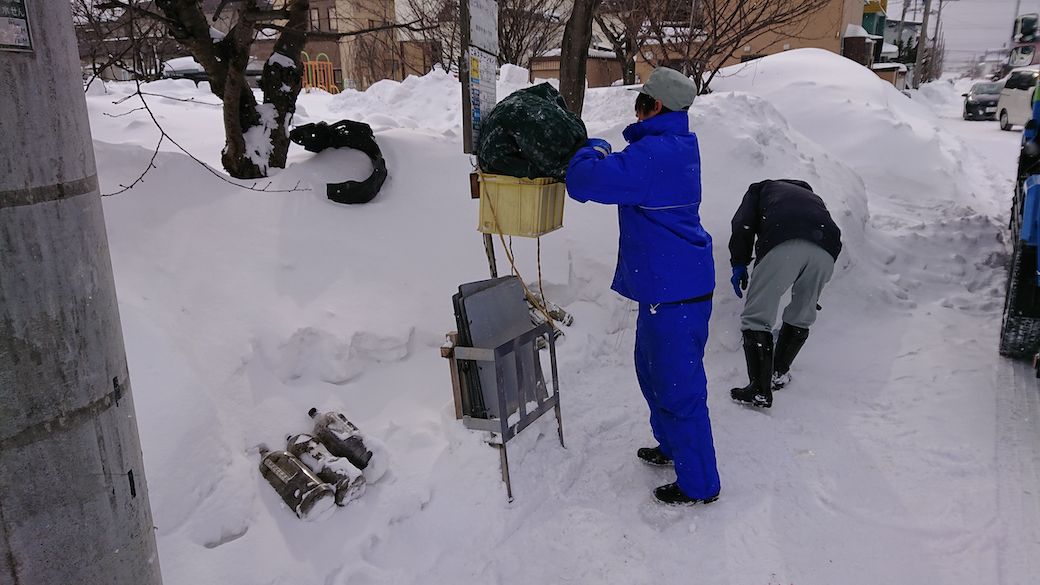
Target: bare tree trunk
689, 41
240, 113
622, 24
281, 85
577, 36
225, 63
628, 71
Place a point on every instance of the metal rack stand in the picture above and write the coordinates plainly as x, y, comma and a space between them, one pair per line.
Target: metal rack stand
505, 423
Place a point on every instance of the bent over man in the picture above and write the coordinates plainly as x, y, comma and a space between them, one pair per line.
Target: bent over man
665, 264
797, 245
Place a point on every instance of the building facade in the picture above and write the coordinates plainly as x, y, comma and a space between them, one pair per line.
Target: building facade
825, 29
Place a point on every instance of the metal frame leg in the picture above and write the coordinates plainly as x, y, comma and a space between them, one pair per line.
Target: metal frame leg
505, 469
559, 423
556, 387
489, 249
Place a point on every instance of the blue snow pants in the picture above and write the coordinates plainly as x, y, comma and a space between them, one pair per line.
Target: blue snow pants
669, 358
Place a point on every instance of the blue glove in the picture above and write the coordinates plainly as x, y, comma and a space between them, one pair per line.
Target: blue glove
739, 280
601, 146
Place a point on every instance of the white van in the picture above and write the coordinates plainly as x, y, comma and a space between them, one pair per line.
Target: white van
1015, 106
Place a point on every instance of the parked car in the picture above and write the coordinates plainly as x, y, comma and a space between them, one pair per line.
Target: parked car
189, 68
980, 103
1015, 105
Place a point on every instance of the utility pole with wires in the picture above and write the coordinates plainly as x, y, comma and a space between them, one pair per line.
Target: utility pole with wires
922, 45
938, 23
899, 28
1014, 23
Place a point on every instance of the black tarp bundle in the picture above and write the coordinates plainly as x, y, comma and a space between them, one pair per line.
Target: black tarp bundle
530, 134
345, 134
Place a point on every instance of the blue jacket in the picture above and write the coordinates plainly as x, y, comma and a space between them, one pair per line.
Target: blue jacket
664, 254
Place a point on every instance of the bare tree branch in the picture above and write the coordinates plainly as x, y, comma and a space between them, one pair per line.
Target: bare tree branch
439, 29
413, 26
134, 7
164, 136
527, 28
151, 165
716, 30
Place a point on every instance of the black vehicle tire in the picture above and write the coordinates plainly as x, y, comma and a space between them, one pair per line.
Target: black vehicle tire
965, 115
1019, 335
1004, 125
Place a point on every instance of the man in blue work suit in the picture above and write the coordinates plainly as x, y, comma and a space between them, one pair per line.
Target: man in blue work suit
665, 264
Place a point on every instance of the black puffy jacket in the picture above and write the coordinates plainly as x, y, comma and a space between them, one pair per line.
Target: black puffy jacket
776, 211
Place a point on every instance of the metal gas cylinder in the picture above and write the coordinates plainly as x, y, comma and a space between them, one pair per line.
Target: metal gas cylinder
347, 479
301, 489
341, 437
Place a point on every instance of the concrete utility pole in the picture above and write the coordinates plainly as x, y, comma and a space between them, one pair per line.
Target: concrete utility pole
73, 499
938, 22
899, 28
922, 44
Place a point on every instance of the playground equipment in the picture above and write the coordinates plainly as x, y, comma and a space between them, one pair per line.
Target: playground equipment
318, 73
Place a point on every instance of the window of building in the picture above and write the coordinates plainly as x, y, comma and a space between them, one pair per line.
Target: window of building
315, 21
333, 25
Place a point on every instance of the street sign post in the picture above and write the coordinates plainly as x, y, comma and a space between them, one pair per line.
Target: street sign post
14, 26
479, 67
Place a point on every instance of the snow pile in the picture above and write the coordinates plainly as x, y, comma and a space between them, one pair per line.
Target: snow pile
924, 184
431, 102
905, 155
243, 309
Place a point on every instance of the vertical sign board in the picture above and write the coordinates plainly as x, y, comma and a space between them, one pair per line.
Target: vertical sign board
14, 26
483, 25
483, 79
479, 67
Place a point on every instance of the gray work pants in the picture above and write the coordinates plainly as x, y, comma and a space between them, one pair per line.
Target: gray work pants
798, 265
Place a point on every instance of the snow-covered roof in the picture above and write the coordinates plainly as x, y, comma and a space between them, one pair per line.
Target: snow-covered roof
889, 49
889, 67
594, 53
181, 65
857, 31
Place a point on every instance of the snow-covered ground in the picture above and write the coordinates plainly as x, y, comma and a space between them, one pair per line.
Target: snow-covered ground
905, 451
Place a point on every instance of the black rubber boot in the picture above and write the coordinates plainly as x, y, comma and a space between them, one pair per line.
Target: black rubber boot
788, 344
672, 495
653, 456
758, 350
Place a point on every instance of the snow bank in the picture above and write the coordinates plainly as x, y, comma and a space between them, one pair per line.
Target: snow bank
895, 142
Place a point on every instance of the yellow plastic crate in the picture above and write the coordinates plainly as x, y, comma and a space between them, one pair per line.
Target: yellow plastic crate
522, 207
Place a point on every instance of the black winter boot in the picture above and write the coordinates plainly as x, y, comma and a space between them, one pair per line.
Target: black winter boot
788, 343
653, 456
758, 351
671, 494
